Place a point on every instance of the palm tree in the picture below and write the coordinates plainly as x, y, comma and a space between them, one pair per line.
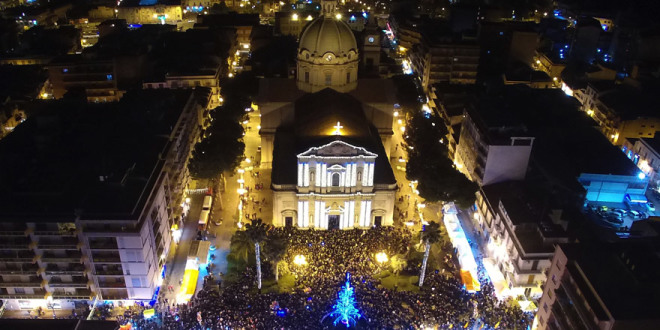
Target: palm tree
429, 235
241, 246
274, 249
257, 231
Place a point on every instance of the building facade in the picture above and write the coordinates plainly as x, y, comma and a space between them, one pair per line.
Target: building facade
520, 237
335, 190
490, 155
83, 247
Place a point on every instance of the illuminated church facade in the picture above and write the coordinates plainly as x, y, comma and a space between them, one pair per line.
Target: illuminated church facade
326, 135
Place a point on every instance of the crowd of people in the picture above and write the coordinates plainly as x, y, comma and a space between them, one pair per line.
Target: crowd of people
441, 303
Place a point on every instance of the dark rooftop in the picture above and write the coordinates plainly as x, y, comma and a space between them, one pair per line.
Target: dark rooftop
567, 142
93, 159
623, 274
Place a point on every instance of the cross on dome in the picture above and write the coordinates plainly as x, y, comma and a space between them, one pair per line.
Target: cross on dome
338, 128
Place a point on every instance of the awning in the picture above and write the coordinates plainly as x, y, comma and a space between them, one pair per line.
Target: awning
471, 284
188, 285
637, 198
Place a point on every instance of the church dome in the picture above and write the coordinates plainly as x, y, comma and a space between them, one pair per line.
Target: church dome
328, 35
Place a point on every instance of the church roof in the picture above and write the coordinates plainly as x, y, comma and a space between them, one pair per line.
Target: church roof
315, 117
317, 114
326, 34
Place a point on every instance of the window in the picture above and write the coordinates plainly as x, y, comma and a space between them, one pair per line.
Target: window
108, 77
19, 290
335, 179
328, 79
65, 70
348, 77
307, 76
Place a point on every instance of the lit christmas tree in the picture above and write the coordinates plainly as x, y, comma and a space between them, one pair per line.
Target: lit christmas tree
345, 310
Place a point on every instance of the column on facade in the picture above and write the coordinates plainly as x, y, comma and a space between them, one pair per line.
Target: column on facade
365, 214
303, 213
320, 217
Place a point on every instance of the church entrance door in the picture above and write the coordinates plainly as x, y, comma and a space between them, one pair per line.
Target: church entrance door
333, 222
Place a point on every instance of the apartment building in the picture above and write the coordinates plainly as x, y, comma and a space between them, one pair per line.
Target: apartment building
602, 286
645, 153
514, 220
94, 213
445, 60
621, 110
449, 102
96, 77
493, 146
195, 77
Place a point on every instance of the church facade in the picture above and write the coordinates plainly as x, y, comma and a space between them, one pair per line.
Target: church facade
326, 135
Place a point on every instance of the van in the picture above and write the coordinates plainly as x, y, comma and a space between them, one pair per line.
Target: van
206, 210
208, 202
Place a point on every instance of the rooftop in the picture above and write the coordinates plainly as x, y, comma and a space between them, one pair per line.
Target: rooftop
95, 160
629, 288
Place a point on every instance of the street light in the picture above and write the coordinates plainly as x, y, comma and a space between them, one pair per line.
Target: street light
381, 257
300, 260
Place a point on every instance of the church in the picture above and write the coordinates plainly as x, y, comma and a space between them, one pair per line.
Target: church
327, 134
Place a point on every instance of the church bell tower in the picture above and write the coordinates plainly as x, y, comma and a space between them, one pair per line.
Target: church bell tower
371, 48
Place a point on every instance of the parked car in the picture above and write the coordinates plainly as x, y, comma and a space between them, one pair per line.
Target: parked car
620, 212
613, 219
635, 213
650, 206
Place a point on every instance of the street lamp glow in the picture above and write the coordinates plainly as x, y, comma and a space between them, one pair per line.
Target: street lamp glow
403, 129
641, 175
248, 160
381, 257
240, 191
300, 260
396, 114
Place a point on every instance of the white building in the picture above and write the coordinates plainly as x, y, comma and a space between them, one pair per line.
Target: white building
97, 220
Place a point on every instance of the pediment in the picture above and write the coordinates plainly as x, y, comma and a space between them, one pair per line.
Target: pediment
337, 149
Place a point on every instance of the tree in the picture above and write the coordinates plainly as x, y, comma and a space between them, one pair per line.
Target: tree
241, 246
275, 248
430, 235
257, 231
345, 310
221, 149
429, 163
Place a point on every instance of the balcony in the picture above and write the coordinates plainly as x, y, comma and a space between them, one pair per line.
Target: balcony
12, 231
114, 295
37, 294
119, 284
20, 269
17, 256
63, 243
106, 258
76, 282
75, 269
15, 243
103, 244
54, 230
69, 256
31, 282
109, 271
77, 294
132, 228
